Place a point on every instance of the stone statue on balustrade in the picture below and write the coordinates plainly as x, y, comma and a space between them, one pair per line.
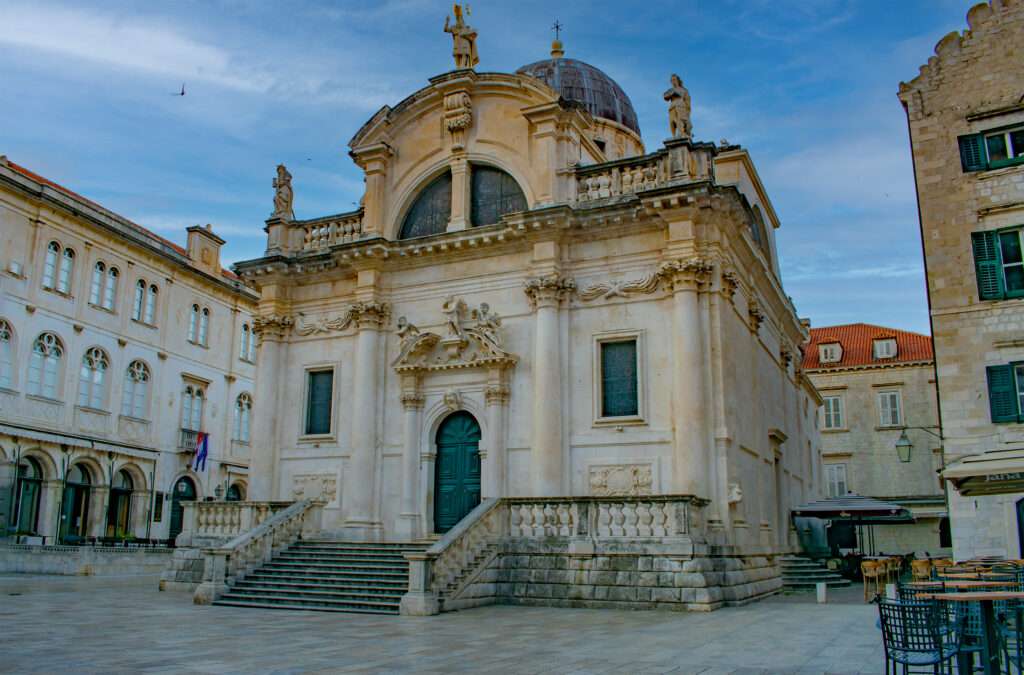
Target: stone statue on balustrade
463, 39
678, 109
283, 194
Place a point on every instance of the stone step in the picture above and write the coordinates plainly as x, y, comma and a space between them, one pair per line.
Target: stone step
383, 546
337, 567
310, 601
300, 586
353, 577
342, 582
832, 583
809, 573
299, 606
310, 594
301, 556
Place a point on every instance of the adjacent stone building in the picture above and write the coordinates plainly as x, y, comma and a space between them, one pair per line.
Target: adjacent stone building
529, 305
117, 349
880, 429
966, 119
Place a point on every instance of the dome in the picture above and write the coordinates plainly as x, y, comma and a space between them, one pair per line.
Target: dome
584, 84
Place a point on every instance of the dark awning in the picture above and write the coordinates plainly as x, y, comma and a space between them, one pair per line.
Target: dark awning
852, 508
996, 472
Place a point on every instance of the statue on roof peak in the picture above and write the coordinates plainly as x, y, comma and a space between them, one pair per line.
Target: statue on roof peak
678, 109
463, 39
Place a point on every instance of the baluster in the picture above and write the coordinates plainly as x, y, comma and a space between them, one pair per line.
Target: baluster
564, 521
630, 518
537, 519
617, 520
550, 521
644, 518
604, 520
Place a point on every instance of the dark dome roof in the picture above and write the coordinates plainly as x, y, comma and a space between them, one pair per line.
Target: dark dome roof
583, 83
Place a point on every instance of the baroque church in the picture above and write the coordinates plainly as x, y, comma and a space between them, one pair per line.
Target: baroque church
537, 337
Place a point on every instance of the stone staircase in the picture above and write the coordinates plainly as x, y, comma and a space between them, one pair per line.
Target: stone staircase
800, 573
328, 576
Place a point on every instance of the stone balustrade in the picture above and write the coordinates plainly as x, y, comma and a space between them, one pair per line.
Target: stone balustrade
601, 517
326, 232
233, 560
219, 520
679, 162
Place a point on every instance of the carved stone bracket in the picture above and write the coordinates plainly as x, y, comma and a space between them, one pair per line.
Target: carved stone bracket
412, 399
756, 316
273, 325
787, 356
496, 394
730, 282
458, 117
552, 289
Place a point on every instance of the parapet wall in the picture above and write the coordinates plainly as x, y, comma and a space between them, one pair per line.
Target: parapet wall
100, 561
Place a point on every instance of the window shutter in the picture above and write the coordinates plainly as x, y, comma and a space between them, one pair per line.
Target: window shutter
1002, 397
987, 265
318, 413
972, 152
618, 379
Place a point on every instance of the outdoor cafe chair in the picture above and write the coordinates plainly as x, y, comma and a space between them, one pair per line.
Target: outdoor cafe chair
921, 569
916, 634
872, 573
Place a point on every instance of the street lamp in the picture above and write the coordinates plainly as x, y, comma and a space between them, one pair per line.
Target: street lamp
903, 447
218, 491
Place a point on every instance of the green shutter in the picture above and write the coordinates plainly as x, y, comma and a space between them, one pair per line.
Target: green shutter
972, 152
987, 265
619, 379
318, 407
1002, 396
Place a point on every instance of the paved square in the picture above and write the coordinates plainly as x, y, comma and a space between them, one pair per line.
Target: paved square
84, 625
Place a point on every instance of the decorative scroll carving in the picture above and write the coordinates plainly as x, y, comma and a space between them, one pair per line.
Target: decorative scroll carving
621, 480
458, 117
363, 314
324, 324
321, 487
551, 289
273, 325
473, 340
606, 290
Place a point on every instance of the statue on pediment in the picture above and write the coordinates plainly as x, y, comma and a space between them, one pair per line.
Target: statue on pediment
283, 194
463, 39
678, 98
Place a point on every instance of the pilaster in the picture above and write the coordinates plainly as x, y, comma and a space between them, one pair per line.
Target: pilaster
270, 331
409, 525
496, 397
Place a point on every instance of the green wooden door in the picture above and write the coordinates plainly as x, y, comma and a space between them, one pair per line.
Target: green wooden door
457, 473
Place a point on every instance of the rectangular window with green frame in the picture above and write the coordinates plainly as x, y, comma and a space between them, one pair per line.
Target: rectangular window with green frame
1006, 392
992, 149
999, 263
619, 391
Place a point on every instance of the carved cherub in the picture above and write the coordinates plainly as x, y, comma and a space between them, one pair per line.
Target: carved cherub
406, 331
488, 323
454, 308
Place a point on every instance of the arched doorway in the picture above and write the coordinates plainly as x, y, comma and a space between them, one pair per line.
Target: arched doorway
74, 519
235, 493
184, 491
29, 491
457, 471
119, 512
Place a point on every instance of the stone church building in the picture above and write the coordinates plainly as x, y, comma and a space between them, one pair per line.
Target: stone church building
531, 309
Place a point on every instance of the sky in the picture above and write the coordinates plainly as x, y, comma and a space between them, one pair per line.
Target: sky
809, 88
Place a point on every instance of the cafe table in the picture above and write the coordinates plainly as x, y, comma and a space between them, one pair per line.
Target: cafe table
989, 635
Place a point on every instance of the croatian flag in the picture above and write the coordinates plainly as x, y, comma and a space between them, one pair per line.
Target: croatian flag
202, 449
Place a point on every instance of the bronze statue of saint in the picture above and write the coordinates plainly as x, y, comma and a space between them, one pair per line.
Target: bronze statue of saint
463, 39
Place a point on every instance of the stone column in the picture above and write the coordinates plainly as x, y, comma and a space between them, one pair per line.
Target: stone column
99, 503
546, 294
49, 505
408, 526
496, 398
374, 160
361, 472
690, 473
271, 331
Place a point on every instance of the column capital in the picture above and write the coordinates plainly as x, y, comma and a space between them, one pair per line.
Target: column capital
550, 290
271, 326
496, 394
688, 274
371, 315
412, 400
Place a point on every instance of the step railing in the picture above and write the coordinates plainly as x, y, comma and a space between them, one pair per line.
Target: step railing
581, 521
202, 522
233, 560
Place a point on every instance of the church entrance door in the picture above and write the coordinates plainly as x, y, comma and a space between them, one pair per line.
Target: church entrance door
457, 472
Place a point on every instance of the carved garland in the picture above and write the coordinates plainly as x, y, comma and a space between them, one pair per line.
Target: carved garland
363, 314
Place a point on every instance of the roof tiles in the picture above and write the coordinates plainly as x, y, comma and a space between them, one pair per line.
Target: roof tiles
857, 340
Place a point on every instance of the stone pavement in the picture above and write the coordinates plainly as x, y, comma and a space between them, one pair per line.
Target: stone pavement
83, 625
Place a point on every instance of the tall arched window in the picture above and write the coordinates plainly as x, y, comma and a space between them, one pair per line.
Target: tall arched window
6, 355
247, 349
92, 380
44, 365
204, 326
193, 323
67, 266
150, 313
136, 390
139, 299
494, 193
28, 492
110, 290
431, 211
99, 274
243, 414
104, 286
192, 407
50, 264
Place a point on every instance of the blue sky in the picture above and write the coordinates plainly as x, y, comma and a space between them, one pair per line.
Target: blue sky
808, 87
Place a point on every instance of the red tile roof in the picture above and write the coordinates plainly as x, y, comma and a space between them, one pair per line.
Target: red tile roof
857, 340
32, 175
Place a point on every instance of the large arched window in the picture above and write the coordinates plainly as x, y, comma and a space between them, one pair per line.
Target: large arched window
431, 211
27, 493
6, 355
136, 390
57, 267
192, 407
494, 193
67, 266
243, 415
247, 350
44, 365
193, 323
104, 286
92, 380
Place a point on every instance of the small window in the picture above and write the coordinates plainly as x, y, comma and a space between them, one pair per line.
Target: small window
243, 415
150, 314
835, 477
110, 290
992, 149
67, 266
44, 366
619, 390
136, 390
99, 273
192, 400
320, 391
92, 379
247, 348
204, 326
831, 352
885, 348
832, 408
889, 409
138, 301
193, 323
50, 264
1004, 145
6, 355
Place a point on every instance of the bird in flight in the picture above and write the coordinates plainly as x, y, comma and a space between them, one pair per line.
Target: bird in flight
180, 93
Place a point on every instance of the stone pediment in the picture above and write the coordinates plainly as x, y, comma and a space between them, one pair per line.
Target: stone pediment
472, 340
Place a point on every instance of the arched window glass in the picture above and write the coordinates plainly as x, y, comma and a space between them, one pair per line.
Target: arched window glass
6, 355
150, 315
92, 379
243, 414
110, 290
494, 193
44, 365
98, 274
50, 264
136, 390
204, 325
124, 481
431, 211
79, 475
193, 323
245, 350
140, 294
192, 408
67, 266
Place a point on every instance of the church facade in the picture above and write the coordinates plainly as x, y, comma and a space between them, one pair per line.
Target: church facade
528, 304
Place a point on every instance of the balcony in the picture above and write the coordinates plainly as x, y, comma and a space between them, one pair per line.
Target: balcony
187, 439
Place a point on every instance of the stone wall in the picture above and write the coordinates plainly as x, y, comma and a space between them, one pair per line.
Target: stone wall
82, 560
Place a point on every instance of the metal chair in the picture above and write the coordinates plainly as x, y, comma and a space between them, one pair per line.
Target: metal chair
917, 634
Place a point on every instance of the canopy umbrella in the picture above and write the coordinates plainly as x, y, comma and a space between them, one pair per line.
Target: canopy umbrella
995, 472
856, 509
